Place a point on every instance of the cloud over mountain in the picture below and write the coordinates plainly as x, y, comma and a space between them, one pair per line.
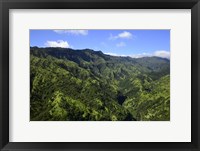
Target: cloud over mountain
58, 43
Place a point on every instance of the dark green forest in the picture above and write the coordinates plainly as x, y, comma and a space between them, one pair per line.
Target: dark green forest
87, 85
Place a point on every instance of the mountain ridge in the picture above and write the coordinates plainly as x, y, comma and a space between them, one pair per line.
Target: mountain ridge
97, 51
95, 86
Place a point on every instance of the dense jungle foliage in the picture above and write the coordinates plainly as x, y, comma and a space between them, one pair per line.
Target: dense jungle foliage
87, 85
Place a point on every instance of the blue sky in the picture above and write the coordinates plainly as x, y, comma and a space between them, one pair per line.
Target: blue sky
134, 43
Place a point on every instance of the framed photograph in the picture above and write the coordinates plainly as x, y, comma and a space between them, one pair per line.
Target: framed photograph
99, 75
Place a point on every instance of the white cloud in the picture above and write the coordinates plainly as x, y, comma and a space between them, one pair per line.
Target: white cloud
162, 54
159, 53
58, 43
73, 32
114, 54
141, 55
121, 44
124, 35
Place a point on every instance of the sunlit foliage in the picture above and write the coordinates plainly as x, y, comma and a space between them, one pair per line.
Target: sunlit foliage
87, 85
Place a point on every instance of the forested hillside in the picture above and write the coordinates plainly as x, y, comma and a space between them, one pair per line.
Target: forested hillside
87, 85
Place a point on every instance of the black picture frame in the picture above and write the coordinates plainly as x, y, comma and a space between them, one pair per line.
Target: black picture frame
5, 5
